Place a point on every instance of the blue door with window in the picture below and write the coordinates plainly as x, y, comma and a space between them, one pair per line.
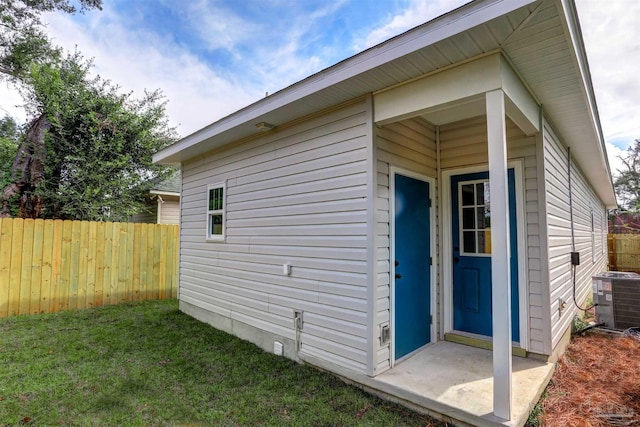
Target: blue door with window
471, 227
412, 305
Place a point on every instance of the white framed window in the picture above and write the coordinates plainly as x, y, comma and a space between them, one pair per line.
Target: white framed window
216, 208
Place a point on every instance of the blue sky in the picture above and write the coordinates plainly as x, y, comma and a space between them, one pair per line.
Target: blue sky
211, 57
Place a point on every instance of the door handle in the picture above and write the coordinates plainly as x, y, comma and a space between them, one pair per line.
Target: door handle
456, 260
398, 276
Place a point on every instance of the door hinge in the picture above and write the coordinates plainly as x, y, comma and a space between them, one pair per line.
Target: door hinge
429, 203
431, 320
430, 260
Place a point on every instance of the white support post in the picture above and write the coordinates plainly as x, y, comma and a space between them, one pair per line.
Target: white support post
500, 268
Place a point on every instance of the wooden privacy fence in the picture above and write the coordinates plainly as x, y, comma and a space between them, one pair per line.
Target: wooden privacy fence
52, 265
624, 252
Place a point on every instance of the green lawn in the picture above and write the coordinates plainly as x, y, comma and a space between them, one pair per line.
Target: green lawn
148, 364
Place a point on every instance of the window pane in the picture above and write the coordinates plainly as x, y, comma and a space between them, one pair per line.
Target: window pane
484, 242
212, 198
469, 241
487, 217
480, 217
220, 197
216, 198
482, 193
483, 217
467, 219
216, 225
467, 194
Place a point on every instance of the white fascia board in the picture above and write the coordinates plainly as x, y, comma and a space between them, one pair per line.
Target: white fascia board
445, 26
572, 29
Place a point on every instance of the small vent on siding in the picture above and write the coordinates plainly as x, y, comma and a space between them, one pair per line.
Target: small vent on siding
385, 334
278, 348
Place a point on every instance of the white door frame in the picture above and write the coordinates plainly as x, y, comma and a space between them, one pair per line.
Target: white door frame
447, 246
393, 171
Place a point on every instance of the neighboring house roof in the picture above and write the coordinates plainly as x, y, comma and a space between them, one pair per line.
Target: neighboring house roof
542, 39
170, 186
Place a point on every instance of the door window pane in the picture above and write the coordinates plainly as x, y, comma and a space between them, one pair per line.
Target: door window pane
469, 241
467, 218
467, 195
475, 217
484, 242
482, 193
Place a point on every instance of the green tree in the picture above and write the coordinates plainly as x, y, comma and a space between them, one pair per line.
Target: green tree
22, 37
627, 184
87, 152
88, 155
9, 134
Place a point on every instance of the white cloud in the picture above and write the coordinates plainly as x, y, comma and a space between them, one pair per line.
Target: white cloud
417, 12
611, 33
614, 154
144, 60
11, 103
219, 27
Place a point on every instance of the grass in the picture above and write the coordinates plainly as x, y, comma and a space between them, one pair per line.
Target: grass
148, 364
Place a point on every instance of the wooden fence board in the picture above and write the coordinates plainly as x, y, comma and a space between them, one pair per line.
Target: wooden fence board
92, 237
51, 265
16, 268
27, 257
47, 266
5, 265
36, 262
624, 252
82, 264
100, 261
56, 262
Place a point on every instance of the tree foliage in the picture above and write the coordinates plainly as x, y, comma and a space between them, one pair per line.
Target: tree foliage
22, 37
627, 184
9, 134
86, 154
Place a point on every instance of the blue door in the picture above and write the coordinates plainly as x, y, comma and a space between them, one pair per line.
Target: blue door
471, 227
412, 303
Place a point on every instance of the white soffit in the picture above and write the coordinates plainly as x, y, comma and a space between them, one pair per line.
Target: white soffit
549, 56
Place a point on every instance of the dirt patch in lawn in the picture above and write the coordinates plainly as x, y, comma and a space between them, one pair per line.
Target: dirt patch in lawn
596, 383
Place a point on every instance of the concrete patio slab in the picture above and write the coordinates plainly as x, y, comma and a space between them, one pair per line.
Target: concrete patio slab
456, 381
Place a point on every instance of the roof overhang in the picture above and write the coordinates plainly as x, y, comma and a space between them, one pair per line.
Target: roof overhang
512, 27
458, 93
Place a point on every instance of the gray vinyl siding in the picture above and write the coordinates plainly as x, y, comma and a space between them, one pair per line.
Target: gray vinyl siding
410, 145
559, 233
464, 144
296, 195
170, 210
